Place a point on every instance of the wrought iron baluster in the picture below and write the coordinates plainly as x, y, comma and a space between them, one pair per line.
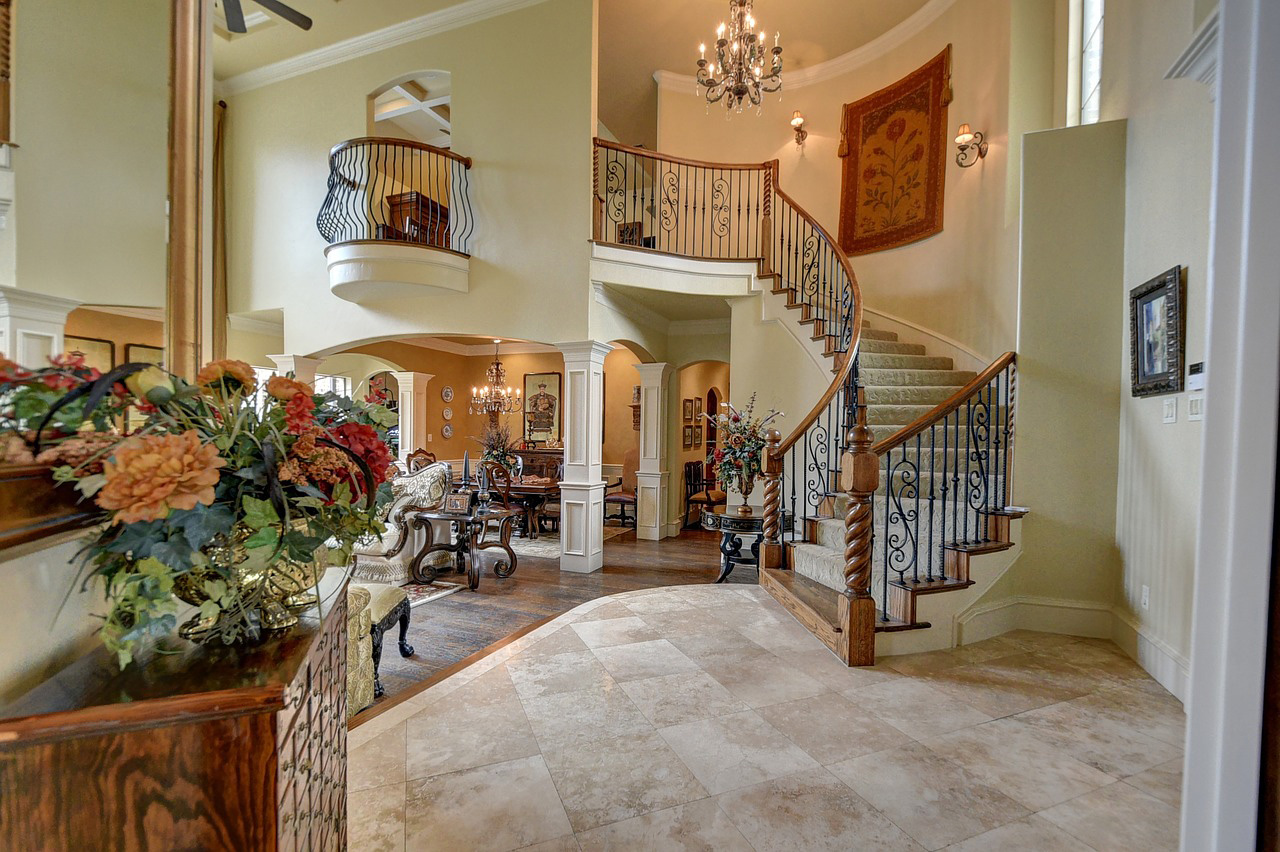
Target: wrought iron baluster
929, 573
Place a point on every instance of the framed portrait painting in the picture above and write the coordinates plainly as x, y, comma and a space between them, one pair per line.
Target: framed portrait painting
542, 406
1157, 328
98, 353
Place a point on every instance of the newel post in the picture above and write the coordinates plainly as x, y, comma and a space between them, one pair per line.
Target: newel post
766, 220
771, 547
859, 476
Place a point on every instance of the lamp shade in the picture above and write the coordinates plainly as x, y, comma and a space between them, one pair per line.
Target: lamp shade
797, 120
964, 135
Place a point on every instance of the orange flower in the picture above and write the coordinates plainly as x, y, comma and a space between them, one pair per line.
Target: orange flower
227, 375
153, 474
284, 388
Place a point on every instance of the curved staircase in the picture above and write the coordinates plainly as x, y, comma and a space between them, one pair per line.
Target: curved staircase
900, 474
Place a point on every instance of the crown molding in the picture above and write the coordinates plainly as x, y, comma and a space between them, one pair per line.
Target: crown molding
254, 326
433, 23
837, 66
149, 314
1199, 61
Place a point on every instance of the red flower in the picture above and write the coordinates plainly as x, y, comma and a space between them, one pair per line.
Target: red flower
299, 414
363, 440
870, 173
896, 128
879, 151
719, 456
917, 154
67, 360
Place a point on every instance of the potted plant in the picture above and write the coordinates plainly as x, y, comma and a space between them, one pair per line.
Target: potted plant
498, 445
221, 497
737, 460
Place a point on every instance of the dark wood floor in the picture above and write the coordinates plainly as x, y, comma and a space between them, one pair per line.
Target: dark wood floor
450, 629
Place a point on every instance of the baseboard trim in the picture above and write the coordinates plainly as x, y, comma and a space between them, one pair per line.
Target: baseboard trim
1158, 658
1079, 618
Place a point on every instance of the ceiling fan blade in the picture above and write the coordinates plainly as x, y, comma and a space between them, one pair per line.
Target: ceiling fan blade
291, 15
234, 15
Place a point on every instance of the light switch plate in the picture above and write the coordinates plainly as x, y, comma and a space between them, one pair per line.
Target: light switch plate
1195, 407
1146, 597
1171, 410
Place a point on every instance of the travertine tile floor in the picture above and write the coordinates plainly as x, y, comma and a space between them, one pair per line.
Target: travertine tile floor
705, 717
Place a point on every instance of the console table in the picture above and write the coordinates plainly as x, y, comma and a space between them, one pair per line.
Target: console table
732, 527
203, 747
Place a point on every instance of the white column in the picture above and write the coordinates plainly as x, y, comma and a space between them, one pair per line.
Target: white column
412, 401
31, 325
582, 490
653, 481
302, 367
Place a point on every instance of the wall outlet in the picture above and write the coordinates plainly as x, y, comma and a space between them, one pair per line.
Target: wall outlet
1171, 410
1146, 597
1195, 407
430, 435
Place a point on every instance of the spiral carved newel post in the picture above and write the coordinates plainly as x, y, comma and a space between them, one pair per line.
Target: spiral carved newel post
859, 477
771, 547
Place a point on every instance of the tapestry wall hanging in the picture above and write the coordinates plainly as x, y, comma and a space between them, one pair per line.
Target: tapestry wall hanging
894, 145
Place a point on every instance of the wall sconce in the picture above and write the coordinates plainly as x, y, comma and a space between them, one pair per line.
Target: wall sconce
797, 122
971, 146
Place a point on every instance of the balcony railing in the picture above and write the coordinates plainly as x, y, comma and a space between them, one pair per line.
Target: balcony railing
398, 191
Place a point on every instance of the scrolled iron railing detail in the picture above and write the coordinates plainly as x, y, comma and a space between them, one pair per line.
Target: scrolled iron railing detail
397, 190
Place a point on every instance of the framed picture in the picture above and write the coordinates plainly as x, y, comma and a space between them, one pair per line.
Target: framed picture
98, 353
1157, 328
697, 435
542, 408
688, 411
138, 353
697, 409
630, 233
458, 504
688, 437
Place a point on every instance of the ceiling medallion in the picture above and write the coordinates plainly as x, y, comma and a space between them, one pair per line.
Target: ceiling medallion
737, 74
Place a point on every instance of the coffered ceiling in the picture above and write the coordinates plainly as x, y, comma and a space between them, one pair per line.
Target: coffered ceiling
637, 37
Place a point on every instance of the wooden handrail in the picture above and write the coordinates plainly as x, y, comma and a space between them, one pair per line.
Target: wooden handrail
944, 409
394, 142
683, 161
856, 295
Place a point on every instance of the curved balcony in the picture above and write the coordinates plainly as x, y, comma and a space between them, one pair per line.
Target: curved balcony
397, 218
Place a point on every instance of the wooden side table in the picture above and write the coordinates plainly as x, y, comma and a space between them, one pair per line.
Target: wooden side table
732, 528
468, 541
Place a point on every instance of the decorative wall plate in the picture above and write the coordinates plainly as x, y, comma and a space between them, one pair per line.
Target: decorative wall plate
447, 431
447, 413
446, 393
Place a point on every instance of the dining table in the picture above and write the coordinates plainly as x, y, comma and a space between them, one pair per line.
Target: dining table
532, 493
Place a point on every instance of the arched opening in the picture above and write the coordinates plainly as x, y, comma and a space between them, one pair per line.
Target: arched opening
713, 405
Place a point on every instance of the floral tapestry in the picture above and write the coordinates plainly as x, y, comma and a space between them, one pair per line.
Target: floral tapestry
894, 145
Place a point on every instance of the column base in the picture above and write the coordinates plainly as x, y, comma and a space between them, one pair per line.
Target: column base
581, 527
651, 502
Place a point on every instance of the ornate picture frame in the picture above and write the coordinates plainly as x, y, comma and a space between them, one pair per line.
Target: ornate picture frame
141, 353
688, 438
98, 352
688, 411
1157, 334
543, 415
458, 503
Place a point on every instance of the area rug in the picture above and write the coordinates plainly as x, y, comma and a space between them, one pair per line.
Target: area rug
547, 545
894, 145
420, 594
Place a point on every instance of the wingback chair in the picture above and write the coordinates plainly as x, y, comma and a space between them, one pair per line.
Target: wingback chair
699, 491
386, 559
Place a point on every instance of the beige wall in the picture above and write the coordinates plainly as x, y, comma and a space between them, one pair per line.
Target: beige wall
1167, 188
1068, 387
961, 283
620, 377
90, 114
530, 186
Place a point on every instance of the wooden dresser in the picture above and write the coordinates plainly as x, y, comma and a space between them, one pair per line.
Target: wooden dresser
203, 748
542, 462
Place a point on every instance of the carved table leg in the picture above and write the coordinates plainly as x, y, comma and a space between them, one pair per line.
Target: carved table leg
406, 650
731, 549
376, 635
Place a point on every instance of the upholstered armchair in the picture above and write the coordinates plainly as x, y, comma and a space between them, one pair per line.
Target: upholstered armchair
387, 559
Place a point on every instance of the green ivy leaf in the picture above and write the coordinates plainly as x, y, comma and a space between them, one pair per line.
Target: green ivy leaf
258, 513
265, 537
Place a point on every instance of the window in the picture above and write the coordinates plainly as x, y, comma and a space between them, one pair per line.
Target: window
1090, 60
340, 385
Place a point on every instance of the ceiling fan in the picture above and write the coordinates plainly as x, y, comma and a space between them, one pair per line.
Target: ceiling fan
235, 14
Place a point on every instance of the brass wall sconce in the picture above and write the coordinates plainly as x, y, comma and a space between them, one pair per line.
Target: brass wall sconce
797, 123
971, 146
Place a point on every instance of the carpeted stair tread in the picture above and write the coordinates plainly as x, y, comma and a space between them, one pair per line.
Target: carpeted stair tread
876, 377
890, 347
930, 395
882, 361
820, 564
877, 334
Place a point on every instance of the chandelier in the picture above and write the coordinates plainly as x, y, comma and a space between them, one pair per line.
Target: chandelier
737, 74
496, 397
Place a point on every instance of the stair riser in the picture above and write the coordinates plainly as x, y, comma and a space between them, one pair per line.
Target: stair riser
907, 394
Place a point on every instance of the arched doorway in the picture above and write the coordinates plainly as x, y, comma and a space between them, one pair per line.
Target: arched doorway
713, 406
